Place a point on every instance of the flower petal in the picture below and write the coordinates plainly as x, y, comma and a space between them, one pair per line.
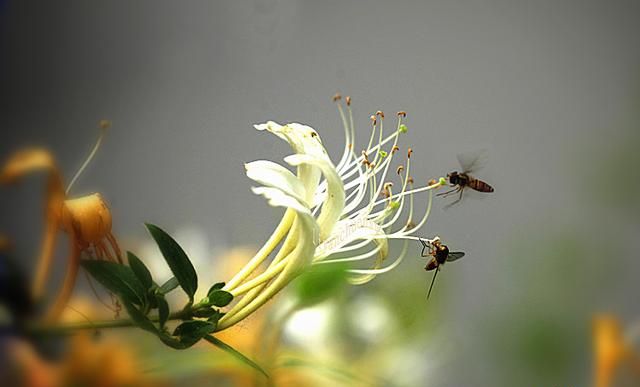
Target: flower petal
303, 140
334, 202
275, 175
278, 198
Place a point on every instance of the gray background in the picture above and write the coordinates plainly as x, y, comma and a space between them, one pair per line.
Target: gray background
550, 88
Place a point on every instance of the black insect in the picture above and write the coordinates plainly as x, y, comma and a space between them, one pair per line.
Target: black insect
439, 254
461, 180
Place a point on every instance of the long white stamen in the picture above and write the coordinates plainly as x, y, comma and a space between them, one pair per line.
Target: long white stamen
384, 269
347, 134
359, 257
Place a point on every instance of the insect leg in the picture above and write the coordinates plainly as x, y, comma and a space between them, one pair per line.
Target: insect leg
433, 281
444, 194
424, 246
455, 201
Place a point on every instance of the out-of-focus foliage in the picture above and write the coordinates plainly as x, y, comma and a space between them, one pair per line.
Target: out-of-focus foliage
320, 283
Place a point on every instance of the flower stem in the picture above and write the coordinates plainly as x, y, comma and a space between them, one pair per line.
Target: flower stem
40, 329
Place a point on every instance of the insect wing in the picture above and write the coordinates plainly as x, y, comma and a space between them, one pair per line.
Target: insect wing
454, 256
472, 161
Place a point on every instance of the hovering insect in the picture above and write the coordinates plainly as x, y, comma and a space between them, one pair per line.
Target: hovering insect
440, 254
461, 180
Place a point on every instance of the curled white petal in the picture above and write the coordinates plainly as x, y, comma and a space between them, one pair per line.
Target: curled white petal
334, 201
303, 140
278, 198
275, 175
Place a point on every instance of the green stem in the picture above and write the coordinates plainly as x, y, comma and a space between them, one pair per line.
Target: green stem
68, 328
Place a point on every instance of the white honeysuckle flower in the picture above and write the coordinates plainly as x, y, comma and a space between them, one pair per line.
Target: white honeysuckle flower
334, 211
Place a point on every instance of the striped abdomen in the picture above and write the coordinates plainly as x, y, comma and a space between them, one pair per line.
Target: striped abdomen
479, 185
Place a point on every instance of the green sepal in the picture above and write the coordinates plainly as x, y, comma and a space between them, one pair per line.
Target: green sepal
220, 298
205, 312
190, 332
214, 287
214, 318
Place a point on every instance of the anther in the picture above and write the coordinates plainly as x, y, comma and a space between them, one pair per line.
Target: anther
337, 97
395, 149
432, 182
409, 152
402, 113
400, 169
410, 180
380, 113
348, 100
104, 124
373, 120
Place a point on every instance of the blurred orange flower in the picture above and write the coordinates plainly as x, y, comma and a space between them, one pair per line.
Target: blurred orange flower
612, 351
88, 362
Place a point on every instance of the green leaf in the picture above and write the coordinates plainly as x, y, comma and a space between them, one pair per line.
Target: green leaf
172, 341
220, 298
214, 287
205, 312
163, 309
229, 349
214, 318
177, 259
168, 286
194, 328
140, 270
190, 332
320, 283
139, 318
117, 278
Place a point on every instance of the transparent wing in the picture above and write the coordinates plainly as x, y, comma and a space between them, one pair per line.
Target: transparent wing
454, 256
473, 161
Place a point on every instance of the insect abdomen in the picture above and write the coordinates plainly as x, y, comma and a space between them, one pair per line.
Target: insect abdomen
479, 185
432, 264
